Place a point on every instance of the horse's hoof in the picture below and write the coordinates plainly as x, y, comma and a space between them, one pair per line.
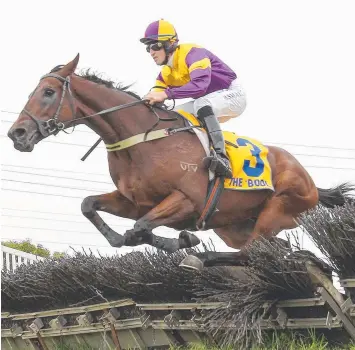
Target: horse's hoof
132, 239
118, 241
189, 239
192, 262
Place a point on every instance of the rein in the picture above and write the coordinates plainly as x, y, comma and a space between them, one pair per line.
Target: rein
53, 125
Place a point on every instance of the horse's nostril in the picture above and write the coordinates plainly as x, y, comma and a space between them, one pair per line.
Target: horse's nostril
18, 133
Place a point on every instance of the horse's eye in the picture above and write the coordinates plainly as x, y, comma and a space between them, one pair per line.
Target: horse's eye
48, 92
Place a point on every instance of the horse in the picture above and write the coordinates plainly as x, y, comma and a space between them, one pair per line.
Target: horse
151, 186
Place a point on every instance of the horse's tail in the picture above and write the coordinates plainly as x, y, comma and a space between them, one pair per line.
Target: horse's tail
336, 196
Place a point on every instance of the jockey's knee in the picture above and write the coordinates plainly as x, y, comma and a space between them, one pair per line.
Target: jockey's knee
237, 106
203, 106
204, 111
225, 104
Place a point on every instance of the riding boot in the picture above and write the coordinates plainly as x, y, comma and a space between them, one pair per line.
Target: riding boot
219, 162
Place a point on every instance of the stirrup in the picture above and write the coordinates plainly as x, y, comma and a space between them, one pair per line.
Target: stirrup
218, 164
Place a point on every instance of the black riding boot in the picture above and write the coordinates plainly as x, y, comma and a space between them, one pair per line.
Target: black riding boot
219, 163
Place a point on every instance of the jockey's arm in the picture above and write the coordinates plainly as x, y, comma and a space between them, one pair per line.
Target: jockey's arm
199, 66
160, 85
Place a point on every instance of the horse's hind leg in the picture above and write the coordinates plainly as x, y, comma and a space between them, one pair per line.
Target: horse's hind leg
235, 236
274, 218
174, 209
295, 193
112, 203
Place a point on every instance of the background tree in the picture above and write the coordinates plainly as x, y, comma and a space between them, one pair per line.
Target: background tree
28, 247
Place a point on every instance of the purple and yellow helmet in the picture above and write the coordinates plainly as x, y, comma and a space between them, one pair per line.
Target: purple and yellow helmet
160, 31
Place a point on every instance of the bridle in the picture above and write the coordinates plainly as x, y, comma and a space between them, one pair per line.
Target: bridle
53, 125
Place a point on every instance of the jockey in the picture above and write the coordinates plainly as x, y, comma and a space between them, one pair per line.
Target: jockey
191, 71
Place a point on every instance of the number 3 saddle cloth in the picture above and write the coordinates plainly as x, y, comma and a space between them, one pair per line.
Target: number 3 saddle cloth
248, 157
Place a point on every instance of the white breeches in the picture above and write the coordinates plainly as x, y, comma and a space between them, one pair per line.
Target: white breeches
226, 104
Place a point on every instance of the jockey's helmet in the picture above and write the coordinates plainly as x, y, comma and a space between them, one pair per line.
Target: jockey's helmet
160, 31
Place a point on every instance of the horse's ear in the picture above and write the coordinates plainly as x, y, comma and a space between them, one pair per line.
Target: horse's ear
70, 67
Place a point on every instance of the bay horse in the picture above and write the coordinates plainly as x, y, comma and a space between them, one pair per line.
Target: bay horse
151, 186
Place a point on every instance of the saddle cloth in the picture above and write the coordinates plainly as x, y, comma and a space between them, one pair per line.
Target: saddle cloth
248, 157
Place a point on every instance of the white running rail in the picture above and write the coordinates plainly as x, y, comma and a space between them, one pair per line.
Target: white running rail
12, 258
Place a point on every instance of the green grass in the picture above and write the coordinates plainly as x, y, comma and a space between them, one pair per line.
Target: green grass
275, 341
74, 347
279, 341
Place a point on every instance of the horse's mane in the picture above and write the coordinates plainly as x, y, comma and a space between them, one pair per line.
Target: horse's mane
97, 78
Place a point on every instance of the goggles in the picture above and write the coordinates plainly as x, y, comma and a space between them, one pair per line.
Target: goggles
155, 46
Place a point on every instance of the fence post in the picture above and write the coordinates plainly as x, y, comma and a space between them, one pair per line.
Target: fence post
9, 255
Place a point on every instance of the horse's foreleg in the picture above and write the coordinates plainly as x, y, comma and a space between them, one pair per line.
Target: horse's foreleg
173, 209
112, 203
